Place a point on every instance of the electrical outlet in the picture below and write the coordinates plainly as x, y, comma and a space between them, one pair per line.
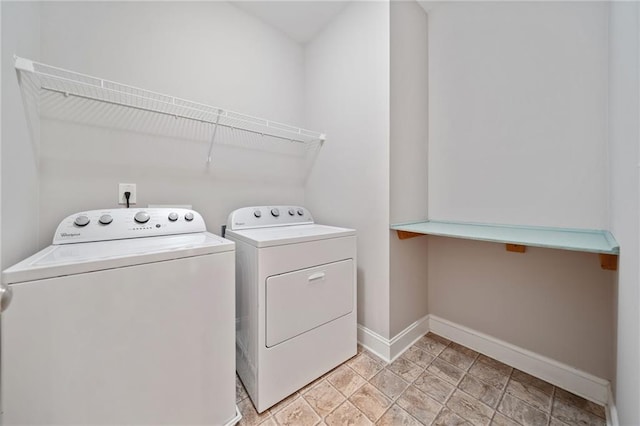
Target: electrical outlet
124, 187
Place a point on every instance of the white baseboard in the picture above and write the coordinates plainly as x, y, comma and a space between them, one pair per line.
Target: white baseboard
390, 349
611, 410
562, 375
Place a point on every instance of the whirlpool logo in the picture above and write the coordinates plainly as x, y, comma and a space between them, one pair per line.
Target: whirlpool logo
66, 234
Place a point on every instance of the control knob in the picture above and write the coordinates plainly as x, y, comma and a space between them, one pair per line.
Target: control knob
142, 217
300, 212
81, 220
188, 216
105, 219
257, 213
275, 212
291, 212
173, 216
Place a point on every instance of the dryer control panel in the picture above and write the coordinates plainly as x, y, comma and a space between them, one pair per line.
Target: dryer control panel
117, 224
268, 216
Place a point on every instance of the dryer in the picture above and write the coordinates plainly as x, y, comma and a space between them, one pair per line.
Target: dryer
295, 299
128, 318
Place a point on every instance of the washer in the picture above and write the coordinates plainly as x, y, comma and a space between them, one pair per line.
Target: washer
296, 299
128, 318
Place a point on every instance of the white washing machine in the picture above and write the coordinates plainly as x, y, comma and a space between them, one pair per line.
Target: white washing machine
295, 299
128, 318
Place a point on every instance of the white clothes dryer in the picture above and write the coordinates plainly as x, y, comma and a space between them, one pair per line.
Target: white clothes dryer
295, 299
128, 318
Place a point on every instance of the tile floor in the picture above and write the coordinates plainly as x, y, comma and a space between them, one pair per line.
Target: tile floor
435, 382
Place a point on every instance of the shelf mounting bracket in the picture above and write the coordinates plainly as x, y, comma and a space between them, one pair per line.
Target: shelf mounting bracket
213, 137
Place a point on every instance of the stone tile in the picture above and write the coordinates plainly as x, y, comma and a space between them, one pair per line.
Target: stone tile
459, 356
250, 416
528, 379
489, 373
241, 392
522, 412
556, 422
433, 386
345, 380
449, 418
389, 383
470, 408
370, 401
419, 405
438, 338
570, 414
418, 356
530, 394
485, 393
406, 369
502, 420
580, 402
323, 398
446, 371
347, 414
495, 364
269, 422
308, 387
366, 366
297, 413
285, 402
396, 416
430, 344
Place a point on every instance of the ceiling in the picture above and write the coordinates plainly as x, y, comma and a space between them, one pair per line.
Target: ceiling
299, 20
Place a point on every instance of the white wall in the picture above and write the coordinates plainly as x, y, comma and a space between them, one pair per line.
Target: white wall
518, 113
209, 52
408, 159
19, 229
347, 94
517, 134
624, 136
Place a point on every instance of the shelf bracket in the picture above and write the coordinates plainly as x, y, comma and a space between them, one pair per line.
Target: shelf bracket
516, 248
609, 262
213, 137
403, 235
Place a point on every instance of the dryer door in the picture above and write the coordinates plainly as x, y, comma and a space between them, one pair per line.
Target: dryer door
299, 301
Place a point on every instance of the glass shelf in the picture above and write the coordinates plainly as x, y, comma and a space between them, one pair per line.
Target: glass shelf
587, 240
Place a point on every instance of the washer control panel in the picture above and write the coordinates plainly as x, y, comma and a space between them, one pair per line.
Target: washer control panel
117, 224
267, 216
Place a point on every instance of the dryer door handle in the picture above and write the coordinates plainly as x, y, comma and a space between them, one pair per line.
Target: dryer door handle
6, 294
316, 276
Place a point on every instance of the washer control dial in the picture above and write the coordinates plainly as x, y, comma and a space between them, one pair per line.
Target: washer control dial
275, 212
142, 217
257, 213
173, 216
292, 212
300, 212
188, 216
105, 219
81, 220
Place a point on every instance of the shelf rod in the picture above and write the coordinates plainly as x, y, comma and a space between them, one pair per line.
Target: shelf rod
173, 115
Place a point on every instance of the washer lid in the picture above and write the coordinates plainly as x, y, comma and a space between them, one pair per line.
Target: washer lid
71, 259
280, 235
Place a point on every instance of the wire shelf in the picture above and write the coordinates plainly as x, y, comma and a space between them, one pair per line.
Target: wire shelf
68, 95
